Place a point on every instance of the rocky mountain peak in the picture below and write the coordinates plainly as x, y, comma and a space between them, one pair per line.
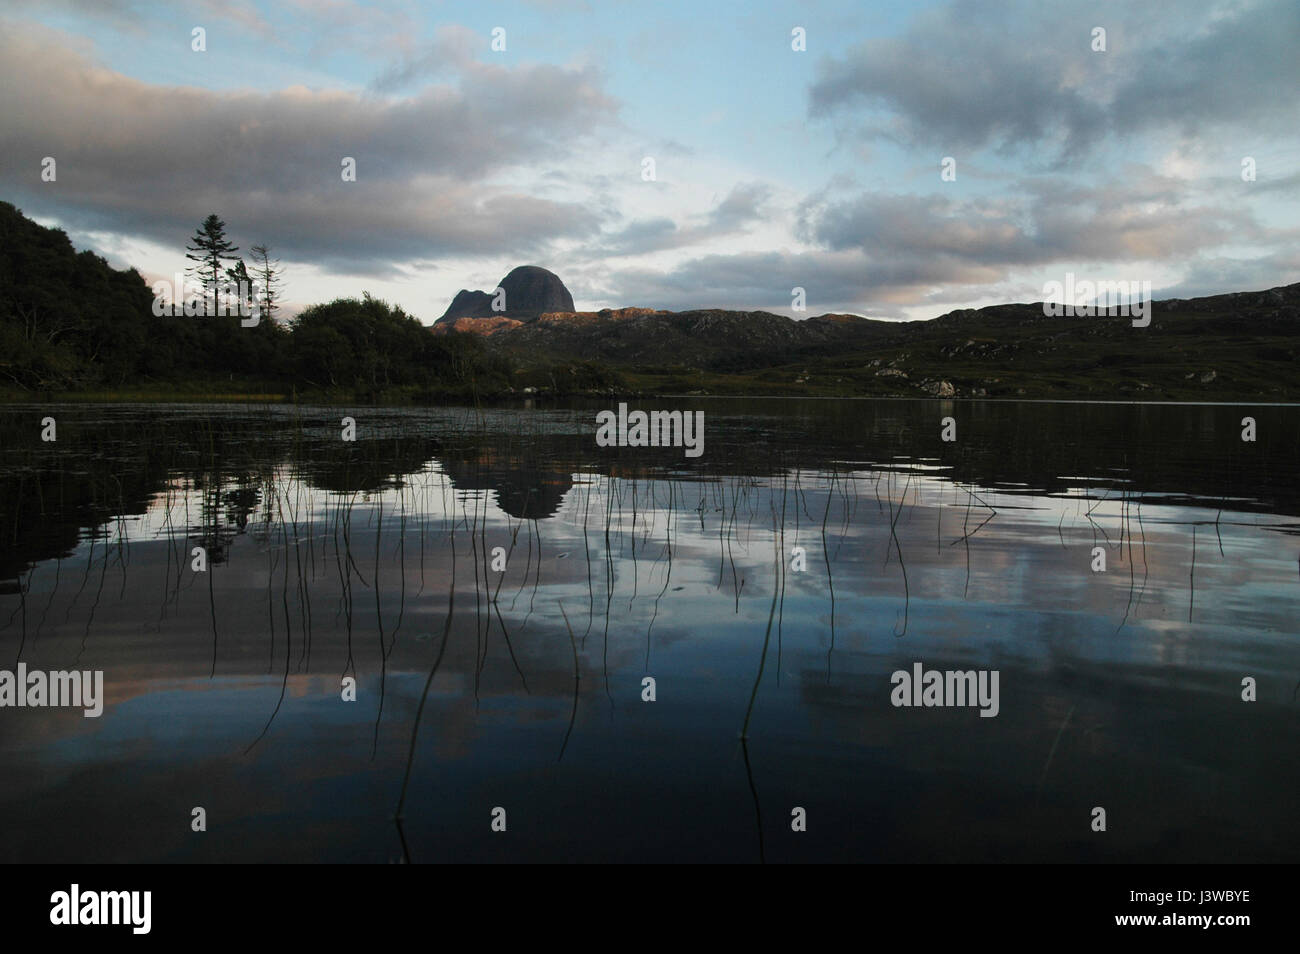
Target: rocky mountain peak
529, 291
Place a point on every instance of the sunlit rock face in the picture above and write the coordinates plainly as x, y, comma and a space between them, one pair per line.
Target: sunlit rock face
529, 292
478, 326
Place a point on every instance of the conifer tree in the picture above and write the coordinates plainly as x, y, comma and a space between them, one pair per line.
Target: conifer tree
208, 250
267, 273
243, 287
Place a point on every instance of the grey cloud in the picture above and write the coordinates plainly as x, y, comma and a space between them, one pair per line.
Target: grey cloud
56, 103
152, 161
882, 252
1244, 68
1214, 276
642, 236
960, 78
1289, 184
968, 75
763, 280
742, 206
1050, 221
357, 229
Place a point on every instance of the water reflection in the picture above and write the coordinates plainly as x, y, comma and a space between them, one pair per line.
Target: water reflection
769, 588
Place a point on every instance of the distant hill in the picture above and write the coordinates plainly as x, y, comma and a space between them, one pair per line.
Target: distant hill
1229, 347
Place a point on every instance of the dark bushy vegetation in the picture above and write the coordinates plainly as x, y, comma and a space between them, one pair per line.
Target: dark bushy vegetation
365, 346
69, 322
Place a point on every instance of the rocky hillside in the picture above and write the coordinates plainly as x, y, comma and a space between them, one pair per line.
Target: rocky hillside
1223, 347
715, 339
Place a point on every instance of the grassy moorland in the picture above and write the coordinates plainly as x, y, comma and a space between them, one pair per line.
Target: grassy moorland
1240, 346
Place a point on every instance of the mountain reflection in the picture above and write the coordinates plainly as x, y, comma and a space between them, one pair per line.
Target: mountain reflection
499, 587
110, 462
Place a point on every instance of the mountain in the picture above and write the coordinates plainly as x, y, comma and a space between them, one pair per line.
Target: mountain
1221, 347
530, 291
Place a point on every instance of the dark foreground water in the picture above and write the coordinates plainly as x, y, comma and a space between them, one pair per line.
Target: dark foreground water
523, 689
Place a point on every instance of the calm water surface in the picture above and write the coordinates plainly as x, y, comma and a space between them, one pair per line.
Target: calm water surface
522, 688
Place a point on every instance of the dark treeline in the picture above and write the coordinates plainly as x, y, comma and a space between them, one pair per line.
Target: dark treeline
69, 322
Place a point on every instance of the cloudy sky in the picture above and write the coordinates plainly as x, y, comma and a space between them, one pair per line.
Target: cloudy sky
773, 167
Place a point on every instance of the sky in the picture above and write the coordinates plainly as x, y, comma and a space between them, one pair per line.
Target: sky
1171, 156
